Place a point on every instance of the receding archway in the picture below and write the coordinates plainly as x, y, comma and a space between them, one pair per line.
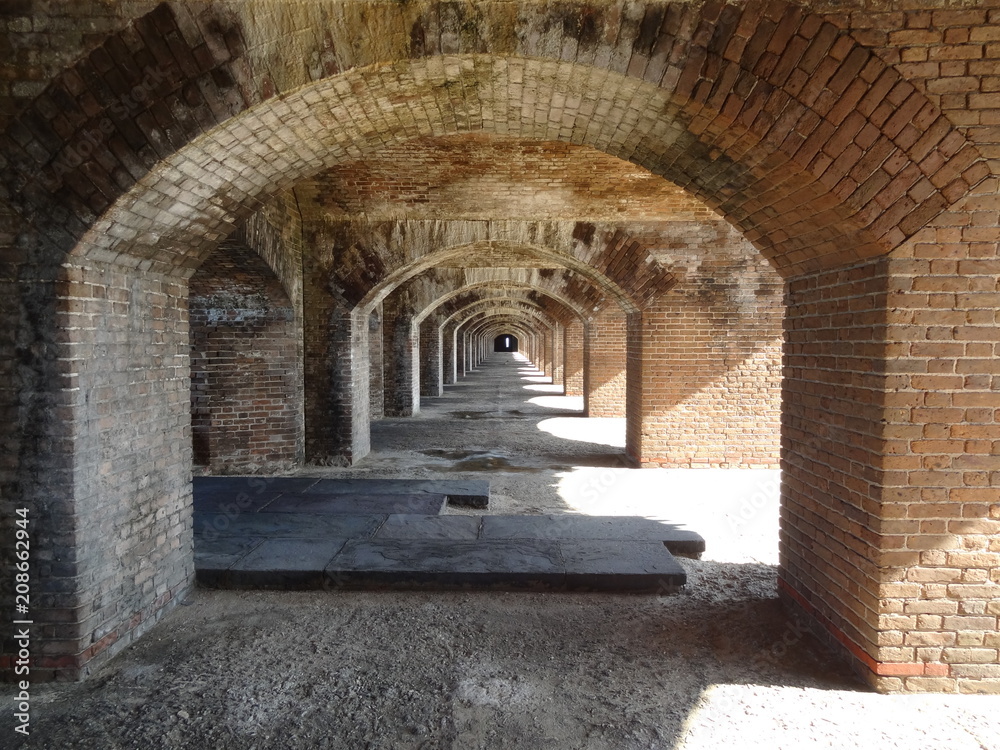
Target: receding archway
822, 209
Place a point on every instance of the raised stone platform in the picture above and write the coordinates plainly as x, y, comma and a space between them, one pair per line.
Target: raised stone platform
259, 492
321, 536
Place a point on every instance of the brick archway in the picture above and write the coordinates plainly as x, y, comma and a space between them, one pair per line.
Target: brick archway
807, 142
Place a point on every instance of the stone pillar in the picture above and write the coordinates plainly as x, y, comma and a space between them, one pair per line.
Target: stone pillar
604, 369
573, 336
401, 344
431, 379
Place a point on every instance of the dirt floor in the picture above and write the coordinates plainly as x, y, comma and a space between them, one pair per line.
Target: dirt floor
717, 665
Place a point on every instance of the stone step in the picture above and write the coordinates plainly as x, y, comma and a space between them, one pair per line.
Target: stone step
340, 563
316, 550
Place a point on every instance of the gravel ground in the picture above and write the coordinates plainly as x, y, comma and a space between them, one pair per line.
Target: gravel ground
716, 665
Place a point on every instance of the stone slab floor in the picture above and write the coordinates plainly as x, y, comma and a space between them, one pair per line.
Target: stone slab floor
716, 665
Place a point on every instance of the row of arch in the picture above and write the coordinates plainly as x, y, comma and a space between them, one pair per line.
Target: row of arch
815, 149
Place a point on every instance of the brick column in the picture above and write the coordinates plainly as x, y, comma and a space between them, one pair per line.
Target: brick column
376, 378
558, 361
431, 379
401, 344
547, 357
892, 457
105, 477
448, 353
246, 390
337, 365
573, 335
604, 370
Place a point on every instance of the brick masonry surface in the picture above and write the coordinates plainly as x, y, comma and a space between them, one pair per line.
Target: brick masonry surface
672, 190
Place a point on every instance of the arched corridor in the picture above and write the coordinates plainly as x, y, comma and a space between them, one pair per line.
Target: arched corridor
251, 237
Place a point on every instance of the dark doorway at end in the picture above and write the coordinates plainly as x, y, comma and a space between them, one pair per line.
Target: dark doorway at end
505, 343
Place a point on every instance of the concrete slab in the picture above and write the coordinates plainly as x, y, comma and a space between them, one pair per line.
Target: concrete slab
616, 565
447, 564
679, 541
473, 493
252, 485
227, 502
427, 527
286, 525
355, 504
213, 557
285, 564
325, 548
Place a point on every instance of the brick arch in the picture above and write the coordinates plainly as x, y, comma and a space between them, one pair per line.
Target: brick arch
485, 287
465, 300
479, 321
746, 128
562, 258
816, 150
522, 335
489, 306
479, 317
522, 321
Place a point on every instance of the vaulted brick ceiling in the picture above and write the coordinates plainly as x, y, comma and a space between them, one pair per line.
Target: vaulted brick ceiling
461, 179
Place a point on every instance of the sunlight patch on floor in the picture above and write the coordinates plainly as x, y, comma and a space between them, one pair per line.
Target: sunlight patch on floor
608, 431
736, 510
543, 388
564, 403
780, 716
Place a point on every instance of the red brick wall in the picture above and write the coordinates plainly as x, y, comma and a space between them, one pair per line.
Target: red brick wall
246, 401
573, 355
704, 372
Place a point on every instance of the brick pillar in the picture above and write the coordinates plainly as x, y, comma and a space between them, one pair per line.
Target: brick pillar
891, 485
104, 471
337, 365
461, 355
704, 377
431, 379
558, 361
401, 342
573, 335
604, 371
547, 358
376, 378
448, 369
